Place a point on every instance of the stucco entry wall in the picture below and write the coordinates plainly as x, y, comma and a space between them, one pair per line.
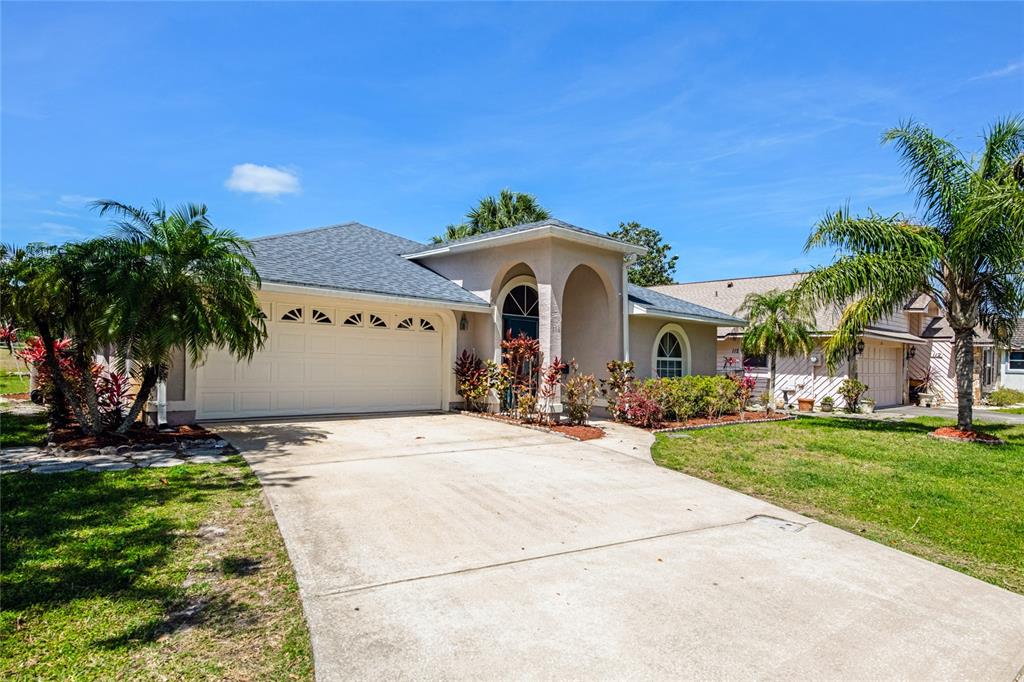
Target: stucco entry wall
703, 341
551, 261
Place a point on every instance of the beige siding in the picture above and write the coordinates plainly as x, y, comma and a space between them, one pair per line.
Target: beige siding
643, 331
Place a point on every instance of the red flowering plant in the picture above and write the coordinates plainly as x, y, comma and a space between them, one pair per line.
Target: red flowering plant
551, 379
521, 356
620, 377
745, 386
112, 388
471, 379
637, 406
8, 336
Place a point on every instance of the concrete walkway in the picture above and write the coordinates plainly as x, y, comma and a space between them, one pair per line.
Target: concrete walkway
981, 414
448, 547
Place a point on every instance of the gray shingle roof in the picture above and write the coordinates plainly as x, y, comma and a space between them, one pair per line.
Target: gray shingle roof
551, 222
353, 257
1017, 340
657, 302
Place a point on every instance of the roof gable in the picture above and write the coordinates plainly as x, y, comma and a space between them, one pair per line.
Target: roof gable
552, 226
353, 257
656, 302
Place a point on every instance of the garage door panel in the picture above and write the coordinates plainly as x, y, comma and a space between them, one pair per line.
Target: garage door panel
321, 369
880, 367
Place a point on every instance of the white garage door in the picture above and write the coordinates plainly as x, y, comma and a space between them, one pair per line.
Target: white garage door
881, 368
322, 360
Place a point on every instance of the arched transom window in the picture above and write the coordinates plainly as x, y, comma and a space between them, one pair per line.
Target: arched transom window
670, 355
521, 301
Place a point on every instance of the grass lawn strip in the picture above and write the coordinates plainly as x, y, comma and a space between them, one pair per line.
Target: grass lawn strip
174, 574
22, 429
13, 383
954, 503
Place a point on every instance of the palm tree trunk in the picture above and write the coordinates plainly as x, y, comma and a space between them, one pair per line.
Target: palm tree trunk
963, 354
64, 390
771, 383
149, 377
84, 364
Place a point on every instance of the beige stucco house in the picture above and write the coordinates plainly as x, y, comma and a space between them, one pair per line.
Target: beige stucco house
897, 351
361, 320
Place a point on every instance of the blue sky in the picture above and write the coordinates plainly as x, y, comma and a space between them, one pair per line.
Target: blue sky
729, 127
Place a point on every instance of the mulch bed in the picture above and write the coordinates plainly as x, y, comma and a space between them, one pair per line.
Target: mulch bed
954, 434
16, 396
72, 439
704, 423
567, 430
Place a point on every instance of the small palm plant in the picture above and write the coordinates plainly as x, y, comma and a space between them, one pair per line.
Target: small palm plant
965, 250
778, 323
177, 282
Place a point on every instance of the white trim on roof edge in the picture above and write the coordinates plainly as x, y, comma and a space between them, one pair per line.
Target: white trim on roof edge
527, 235
640, 310
366, 296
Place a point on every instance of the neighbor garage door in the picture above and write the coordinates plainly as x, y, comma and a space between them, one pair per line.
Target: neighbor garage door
881, 368
328, 360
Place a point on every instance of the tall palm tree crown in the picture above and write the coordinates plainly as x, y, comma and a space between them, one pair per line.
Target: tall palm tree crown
778, 323
494, 213
965, 250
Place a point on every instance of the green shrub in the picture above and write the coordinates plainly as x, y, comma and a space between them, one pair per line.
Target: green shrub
852, 390
580, 394
683, 398
1001, 397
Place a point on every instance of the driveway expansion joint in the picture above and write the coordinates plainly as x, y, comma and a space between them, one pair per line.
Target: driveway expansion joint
538, 557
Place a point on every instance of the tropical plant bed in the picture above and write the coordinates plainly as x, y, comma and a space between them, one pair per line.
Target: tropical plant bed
725, 420
960, 435
571, 431
139, 436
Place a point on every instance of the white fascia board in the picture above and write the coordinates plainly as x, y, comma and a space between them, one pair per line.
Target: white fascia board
379, 298
639, 310
527, 235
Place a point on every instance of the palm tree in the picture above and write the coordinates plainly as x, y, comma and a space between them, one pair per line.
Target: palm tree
53, 291
966, 250
179, 283
778, 323
494, 213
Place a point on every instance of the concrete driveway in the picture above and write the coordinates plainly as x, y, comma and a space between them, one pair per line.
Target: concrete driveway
444, 546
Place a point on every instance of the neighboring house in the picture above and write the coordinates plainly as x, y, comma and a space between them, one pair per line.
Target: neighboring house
360, 320
1011, 361
898, 351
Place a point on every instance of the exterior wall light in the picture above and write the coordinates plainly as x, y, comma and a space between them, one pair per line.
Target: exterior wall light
911, 352
463, 323
860, 347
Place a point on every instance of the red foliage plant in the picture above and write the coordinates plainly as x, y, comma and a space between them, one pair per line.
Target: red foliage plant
636, 405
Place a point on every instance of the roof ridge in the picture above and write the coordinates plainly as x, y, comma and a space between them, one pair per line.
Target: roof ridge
351, 223
734, 279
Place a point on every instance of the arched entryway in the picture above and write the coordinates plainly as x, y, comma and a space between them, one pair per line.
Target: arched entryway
591, 332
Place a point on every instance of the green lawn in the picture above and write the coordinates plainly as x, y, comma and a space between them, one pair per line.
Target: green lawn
958, 504
12, 383
1013, 410
116, 576
22, 429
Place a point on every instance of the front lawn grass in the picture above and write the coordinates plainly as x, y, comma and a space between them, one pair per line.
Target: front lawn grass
162, 574
1012, 410
13, 383
22, 429
958, 504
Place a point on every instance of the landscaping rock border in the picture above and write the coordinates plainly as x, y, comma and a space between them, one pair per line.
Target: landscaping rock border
55, 460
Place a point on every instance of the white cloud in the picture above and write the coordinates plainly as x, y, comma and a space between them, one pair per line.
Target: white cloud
1007, 70
74, 200
250, 177
58, 231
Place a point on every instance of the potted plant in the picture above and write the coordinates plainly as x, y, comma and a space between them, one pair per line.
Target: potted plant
827, 404
923, 388
867, 405
805, 404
